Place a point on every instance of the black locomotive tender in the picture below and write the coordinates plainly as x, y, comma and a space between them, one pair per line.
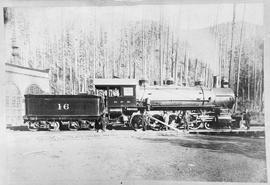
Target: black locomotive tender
123, 100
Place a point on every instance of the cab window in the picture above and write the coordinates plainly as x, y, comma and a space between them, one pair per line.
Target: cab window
128, 91
114, 92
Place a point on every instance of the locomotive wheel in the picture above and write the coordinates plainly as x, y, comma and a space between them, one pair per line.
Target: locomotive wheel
109, 127
136, 121
207, 125
196, 125
73, 125
54, 126
156, 124
33, 126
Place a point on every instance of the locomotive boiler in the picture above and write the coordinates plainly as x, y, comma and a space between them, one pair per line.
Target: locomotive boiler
207, 107
174, 98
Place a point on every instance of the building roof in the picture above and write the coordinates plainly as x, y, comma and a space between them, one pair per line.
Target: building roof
27, 68
12, 68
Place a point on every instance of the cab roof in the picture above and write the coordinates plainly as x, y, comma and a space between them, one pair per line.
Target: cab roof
114, 81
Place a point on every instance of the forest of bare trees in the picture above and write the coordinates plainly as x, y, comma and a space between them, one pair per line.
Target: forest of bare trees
80, 44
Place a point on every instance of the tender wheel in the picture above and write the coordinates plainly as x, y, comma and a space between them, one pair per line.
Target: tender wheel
33, 126
89, 126
207, 125
74, 125
54, 126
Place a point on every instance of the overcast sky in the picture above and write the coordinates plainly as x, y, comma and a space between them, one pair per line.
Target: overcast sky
185, 16
190, 16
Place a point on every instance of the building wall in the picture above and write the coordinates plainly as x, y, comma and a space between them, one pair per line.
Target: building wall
21, 81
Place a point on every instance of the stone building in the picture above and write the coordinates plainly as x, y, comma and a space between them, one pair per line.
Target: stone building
18, 82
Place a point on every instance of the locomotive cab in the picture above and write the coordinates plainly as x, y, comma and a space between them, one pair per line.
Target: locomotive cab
119, 95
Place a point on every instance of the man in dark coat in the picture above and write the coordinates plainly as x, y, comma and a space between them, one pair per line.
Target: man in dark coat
144, 119
247, 116
186, 119
101, 123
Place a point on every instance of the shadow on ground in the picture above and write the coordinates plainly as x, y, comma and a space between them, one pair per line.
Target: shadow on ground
249, 147
25, 128
18, 128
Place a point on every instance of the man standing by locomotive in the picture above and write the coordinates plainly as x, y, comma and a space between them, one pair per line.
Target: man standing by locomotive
247, 118
166, 118
144, 119
103, 121
186, 120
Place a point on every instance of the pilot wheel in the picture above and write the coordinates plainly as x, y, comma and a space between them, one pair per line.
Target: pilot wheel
207, 125
196, 124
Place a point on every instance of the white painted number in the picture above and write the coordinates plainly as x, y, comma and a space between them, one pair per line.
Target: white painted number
65, 106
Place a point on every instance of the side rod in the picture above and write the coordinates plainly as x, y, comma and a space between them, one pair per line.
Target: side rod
175, 129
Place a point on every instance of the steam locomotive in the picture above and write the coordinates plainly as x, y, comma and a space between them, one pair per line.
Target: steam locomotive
123, 101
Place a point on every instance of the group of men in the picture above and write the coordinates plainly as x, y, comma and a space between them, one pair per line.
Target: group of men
182, 118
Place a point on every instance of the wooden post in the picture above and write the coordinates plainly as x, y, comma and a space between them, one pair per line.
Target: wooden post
3, 60
3, 142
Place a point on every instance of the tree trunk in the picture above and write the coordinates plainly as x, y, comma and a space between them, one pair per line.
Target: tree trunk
176, 65
160, 47
255, 89
181, 74
196, 70
248, 80
186, 67
239, 61
231, 67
